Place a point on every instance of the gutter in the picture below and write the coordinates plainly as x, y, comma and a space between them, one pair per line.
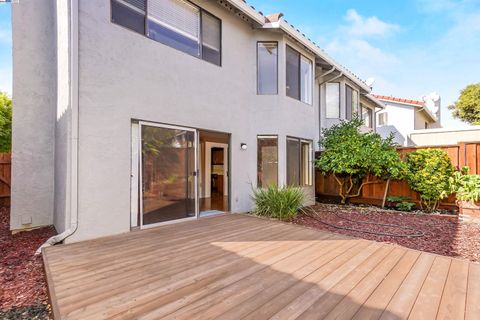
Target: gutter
73, 165
330, 80
298, 36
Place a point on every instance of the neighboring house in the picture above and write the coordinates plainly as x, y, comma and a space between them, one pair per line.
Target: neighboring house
131, 113
403, 116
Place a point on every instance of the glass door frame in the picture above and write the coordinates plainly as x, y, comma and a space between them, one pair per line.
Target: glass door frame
140, 173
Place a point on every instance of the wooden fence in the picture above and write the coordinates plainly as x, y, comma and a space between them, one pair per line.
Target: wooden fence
5, 178
463, 154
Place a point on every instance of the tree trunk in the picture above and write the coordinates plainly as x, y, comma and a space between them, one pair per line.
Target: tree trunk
386, 193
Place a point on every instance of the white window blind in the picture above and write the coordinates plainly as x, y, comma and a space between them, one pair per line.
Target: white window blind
177, 15
210, 31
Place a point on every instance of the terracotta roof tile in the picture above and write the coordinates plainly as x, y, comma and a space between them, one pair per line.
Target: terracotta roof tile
401, 100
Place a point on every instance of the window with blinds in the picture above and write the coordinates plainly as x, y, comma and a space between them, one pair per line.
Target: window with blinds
176, 23
129, 14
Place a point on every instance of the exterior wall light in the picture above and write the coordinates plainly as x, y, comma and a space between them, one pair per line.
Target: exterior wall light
243, 146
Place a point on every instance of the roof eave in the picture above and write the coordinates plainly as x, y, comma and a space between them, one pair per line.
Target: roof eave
294, 33
248, 10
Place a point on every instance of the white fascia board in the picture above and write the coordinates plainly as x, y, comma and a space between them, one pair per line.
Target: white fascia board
294, 33
248, 10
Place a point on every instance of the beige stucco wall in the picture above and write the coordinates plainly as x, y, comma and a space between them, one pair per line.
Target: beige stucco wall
444, 136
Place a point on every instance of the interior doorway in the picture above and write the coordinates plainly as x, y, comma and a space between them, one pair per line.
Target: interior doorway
214, 182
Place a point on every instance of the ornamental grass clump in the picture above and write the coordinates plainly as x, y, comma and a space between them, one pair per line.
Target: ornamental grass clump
429, 173
278, 203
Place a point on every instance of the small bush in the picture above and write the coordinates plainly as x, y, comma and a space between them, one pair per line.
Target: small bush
278, 203
405, 206
429, 173
466, 186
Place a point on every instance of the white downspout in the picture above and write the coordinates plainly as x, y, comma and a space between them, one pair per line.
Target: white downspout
73, 186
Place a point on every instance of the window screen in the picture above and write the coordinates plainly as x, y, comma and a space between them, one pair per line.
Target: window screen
267, 161
267, 68
211, 38
293, 162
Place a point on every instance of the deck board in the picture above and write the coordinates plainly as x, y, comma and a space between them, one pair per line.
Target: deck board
243, 267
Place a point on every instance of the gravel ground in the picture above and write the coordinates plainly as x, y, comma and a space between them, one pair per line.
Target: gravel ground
441, 234
23, 291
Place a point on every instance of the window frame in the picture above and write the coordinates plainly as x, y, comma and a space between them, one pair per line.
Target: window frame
371, 114
268, 136
277, 87
299, 76
385, 122
201, 10
301, 170
351, 107
339, 100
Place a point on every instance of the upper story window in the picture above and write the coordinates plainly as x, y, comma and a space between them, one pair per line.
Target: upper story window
299, 71
176, 23
333, 100
351, 98
267, 67
367, 116
382, 119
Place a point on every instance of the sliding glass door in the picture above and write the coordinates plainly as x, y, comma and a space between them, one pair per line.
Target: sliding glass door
168, 174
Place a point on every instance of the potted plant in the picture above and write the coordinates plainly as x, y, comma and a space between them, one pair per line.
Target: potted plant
467, 189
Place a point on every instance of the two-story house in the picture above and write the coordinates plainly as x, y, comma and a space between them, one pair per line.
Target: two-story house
133, 113
402, 117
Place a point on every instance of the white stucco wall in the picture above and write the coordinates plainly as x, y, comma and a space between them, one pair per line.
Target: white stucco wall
34, 113
401, 121
125, 76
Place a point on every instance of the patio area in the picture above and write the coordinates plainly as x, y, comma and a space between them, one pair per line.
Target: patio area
243, 267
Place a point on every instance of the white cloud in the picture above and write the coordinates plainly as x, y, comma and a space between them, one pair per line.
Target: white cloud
368, 26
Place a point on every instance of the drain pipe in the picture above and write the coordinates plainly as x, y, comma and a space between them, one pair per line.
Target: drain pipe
72, 206
326, 73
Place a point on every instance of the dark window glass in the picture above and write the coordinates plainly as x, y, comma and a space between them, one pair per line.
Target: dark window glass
267, 68
267, 161
129, 14
348, 103
293, 73
293, 162
211, 38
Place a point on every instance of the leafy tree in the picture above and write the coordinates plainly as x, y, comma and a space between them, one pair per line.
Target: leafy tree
429, 173
467, 108
354, 157
5, 122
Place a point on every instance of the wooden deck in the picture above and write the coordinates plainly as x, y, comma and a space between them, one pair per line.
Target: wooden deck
242, 267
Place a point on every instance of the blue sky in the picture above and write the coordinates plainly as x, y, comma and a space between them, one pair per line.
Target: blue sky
411, 47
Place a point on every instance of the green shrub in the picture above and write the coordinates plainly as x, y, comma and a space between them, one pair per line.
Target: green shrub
353, 157
279, 203
405, 206
429, 173
466, 186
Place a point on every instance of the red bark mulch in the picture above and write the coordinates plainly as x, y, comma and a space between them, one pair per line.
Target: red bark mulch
442, 234
22, 283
